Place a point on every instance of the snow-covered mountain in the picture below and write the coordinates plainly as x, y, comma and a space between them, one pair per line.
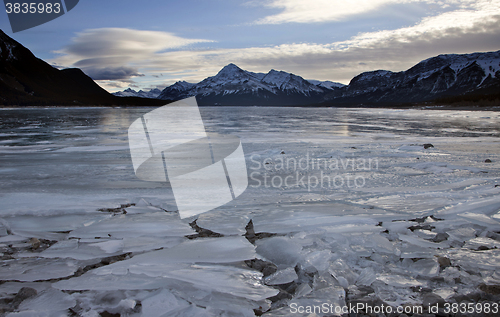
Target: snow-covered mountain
152, 94
326, 84
443, 75
235, 86
440, 76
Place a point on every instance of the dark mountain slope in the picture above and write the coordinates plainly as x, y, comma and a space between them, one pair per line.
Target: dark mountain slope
27, 80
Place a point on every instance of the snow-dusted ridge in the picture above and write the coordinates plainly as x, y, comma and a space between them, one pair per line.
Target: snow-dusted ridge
439, 76
234, 82
129, 92
326, 84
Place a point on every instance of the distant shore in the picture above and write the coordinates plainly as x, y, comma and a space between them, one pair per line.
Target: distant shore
401, 107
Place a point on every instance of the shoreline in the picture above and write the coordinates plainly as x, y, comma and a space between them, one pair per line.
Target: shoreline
443, 107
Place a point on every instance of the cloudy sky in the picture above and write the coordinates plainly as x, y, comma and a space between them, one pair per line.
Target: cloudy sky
123, 43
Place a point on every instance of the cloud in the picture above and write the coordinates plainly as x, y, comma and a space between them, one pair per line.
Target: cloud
123, 54
110, 53
312, 11
459, 31
112, 73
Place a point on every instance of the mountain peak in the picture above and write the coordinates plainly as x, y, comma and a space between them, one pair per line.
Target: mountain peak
278, 78
182, 84
229, 70
231, 65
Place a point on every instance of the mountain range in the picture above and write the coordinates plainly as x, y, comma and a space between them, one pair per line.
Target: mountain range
235, 86
152, 94
27, 80
436, 77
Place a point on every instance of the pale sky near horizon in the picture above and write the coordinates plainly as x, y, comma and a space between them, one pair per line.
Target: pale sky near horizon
123, 43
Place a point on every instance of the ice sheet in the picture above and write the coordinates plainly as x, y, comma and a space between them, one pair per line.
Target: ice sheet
225, 279
57, 175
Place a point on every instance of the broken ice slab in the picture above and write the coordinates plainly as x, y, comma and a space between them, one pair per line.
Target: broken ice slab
424, 267
142, 209
492, 277
13, 238
158, 224
142, 244
49, 303
79, 251
88, 246
462, 234
224, 304
474, 260
320, 260
406, 200
352, 228
395, 295
341, 271
142, 203
282, 251
482, 205
224, 221
36, 269
481, 219
4, 229
374, 242
303, 290
224, 279
367, 277
444, 293
285, 276
208, 250
51, 227
162, 303
10, 288
425, 234
110, 246
293, 221
411, 251
210, 304
169, 267
397, 226
496, 215
482, 242
415, 240
398, 280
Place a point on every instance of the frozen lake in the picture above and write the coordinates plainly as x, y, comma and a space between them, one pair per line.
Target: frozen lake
349, 194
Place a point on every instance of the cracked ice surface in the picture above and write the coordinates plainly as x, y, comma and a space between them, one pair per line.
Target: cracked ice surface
425, 222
